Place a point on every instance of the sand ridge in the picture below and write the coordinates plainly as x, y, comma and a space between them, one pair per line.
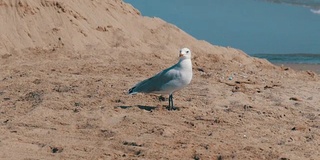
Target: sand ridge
66, 67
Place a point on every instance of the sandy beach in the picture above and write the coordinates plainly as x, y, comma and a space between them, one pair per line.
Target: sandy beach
303, 67
66, 67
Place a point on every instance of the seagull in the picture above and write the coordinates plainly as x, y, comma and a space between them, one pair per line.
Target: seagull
169, 80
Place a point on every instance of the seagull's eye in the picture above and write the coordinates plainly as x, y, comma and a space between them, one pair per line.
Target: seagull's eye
187, 51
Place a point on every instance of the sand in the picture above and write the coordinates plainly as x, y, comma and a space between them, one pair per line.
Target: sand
303, 67
66, 67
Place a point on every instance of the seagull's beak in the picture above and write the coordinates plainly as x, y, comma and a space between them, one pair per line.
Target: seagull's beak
180, 55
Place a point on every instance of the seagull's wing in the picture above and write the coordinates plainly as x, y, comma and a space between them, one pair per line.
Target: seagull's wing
159, 83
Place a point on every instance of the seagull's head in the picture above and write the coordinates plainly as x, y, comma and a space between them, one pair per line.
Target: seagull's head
185, 53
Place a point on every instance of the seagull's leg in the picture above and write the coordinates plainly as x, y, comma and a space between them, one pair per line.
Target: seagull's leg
171, 107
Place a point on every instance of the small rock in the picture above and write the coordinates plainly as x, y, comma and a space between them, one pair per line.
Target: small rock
131, 144
200, 69
56, 149
161, 98
196, 157
294, 99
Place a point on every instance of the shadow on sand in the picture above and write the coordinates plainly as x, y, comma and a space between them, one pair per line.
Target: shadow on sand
147, 108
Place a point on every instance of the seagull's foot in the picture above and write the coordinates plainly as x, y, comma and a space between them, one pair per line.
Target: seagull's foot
172, 108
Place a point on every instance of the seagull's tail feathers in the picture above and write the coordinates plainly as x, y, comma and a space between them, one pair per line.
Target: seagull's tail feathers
132, 90
142, 87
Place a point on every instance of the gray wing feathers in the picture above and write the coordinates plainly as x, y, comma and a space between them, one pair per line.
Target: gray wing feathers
154, 83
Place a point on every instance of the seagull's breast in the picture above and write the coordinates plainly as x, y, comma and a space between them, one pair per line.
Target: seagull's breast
186, 77
186, 71
184, 74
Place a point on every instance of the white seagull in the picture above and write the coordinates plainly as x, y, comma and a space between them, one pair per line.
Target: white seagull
169, 80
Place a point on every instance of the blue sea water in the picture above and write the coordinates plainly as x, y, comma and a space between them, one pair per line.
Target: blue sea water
258, 27
291, 58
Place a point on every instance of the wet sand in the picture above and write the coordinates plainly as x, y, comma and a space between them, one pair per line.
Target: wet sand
302, 67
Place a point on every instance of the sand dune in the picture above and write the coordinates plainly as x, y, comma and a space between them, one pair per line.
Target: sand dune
66, 67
